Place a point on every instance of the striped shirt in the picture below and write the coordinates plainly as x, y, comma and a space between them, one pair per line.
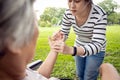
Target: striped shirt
91, 36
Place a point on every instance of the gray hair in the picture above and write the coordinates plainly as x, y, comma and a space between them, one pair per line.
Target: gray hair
16, 22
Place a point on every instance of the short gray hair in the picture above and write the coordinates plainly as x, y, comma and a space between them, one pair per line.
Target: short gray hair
16, 22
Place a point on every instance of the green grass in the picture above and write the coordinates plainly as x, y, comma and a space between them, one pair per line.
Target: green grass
113, 46
65, 65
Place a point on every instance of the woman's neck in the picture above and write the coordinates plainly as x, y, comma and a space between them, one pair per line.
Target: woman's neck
85, 13
82, 18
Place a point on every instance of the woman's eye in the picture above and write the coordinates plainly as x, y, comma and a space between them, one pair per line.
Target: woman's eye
77, 1
69, 0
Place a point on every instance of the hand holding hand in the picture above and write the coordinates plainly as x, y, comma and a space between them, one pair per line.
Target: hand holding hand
57, 43
60, 46
58, 36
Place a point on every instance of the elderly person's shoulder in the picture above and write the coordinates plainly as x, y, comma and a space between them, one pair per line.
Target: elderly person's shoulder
34, 75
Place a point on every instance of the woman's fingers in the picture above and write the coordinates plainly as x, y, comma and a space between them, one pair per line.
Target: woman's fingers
55, 35
58, 35
58, 46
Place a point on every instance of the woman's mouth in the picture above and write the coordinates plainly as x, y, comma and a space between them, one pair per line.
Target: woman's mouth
73, 11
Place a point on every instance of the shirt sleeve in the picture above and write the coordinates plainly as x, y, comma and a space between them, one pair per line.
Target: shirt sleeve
98, 37
66, 24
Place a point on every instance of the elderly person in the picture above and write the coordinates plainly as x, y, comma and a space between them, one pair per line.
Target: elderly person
18, 36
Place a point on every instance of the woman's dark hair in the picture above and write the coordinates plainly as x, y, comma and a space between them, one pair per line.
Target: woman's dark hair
89, 1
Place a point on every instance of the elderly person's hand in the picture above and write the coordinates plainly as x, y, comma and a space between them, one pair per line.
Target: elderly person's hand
59, 45
57, 36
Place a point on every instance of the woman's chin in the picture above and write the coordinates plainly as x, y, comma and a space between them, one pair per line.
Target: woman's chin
73, 13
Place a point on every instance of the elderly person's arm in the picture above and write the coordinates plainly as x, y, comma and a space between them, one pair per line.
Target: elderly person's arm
47, 66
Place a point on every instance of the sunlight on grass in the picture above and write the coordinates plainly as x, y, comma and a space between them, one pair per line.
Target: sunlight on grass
65, 65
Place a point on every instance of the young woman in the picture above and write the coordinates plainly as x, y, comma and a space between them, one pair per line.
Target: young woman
89, 24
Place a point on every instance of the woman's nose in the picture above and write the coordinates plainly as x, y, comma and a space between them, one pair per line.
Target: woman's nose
72, 4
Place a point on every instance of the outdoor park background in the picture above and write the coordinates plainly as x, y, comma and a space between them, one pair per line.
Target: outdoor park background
65, 65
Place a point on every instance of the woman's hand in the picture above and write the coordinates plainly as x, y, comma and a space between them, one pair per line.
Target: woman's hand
58, 36
61, 47
55, 38
58, 45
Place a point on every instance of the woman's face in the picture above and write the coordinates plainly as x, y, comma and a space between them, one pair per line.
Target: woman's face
76, 6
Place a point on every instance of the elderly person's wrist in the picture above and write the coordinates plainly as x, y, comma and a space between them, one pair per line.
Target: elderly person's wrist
53, 51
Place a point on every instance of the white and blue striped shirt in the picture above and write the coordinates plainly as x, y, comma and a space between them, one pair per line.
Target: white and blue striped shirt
91, 35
